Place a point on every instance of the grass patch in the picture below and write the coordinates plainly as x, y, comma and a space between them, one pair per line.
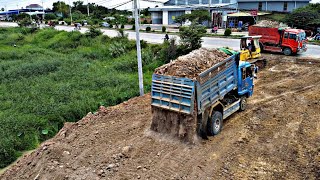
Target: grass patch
51, 77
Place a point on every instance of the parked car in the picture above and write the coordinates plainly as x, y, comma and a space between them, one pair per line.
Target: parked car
105, 24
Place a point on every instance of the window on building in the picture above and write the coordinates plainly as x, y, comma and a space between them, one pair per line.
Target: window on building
285, 6
260, 6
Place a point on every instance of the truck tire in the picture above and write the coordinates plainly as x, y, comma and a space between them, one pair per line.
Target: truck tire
243, 104
261, 47
287, 51
215, 123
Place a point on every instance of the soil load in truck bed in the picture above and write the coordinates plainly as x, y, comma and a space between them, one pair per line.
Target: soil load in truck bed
174, 89
192, 64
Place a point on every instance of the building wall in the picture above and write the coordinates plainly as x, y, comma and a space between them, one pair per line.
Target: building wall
271, 6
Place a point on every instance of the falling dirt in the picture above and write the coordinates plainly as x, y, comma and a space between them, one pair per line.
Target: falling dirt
192, 64
182, 126
277, 137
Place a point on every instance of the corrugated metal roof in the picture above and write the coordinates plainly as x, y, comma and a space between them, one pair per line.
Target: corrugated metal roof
243, 14
273, 0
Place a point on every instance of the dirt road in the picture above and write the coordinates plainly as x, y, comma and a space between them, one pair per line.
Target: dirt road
277, 137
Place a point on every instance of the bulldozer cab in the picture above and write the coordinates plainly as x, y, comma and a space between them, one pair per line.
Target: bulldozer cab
249, 47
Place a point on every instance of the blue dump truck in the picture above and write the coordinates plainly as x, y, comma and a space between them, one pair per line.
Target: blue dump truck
180, 105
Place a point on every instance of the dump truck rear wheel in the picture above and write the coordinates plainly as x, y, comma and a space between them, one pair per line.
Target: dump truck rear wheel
215, 123
243, 104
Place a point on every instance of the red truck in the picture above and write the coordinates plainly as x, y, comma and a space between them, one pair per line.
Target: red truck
285, 40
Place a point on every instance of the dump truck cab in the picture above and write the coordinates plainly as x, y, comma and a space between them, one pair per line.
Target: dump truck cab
245, 78
294, 41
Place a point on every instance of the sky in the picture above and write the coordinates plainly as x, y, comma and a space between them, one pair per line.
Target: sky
13, 4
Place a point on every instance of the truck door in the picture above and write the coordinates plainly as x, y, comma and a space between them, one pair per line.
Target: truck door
246, 81
285, 38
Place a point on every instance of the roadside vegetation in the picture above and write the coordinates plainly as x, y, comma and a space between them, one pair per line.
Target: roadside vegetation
307, 17
49, 77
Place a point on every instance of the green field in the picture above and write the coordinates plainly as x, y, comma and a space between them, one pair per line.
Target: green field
49, 77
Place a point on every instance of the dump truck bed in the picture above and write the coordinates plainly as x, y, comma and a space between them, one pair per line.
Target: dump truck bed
180, 94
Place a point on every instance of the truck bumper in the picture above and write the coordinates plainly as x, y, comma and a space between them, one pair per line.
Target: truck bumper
301, 50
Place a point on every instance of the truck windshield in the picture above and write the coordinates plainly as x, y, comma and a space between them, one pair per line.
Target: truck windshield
301, 36
293, 36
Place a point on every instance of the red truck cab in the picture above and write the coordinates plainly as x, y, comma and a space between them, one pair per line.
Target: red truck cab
284, 40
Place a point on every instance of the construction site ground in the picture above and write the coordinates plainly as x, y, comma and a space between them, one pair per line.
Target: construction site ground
277, 137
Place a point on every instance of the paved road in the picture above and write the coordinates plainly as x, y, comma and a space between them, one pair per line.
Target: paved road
210, 42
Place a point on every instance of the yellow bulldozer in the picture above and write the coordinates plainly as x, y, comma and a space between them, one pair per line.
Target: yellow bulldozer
249, 51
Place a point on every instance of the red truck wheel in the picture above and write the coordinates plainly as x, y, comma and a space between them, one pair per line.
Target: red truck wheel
287, 51
215, 123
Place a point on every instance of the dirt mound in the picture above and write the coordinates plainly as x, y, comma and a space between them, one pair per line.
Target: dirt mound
277, 137
272, 24
192, 64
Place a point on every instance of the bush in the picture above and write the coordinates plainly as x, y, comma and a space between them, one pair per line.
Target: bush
148, 29
182, 28
50, 16
133, 27
68, 22
227, 32
110, 26
93, 32
164, 29
122, 26
145, 21
191, 37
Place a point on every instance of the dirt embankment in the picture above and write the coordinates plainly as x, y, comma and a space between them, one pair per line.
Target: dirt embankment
277, 137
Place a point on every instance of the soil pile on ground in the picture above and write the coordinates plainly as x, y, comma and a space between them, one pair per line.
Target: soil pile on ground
277, 137
192, 64
271, 24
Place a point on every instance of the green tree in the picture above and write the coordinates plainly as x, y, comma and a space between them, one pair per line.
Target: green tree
78, 6
145, 12
61, 8
50, 16
2, 9
22, 16
190, 37
118, 20
304, 17
197, 15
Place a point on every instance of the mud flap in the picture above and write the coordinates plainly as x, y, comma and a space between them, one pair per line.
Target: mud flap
202, 125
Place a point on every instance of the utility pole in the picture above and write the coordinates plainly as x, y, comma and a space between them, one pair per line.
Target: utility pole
43, 11
88, 8
6, 12
138, 47
209, 9
70, 11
